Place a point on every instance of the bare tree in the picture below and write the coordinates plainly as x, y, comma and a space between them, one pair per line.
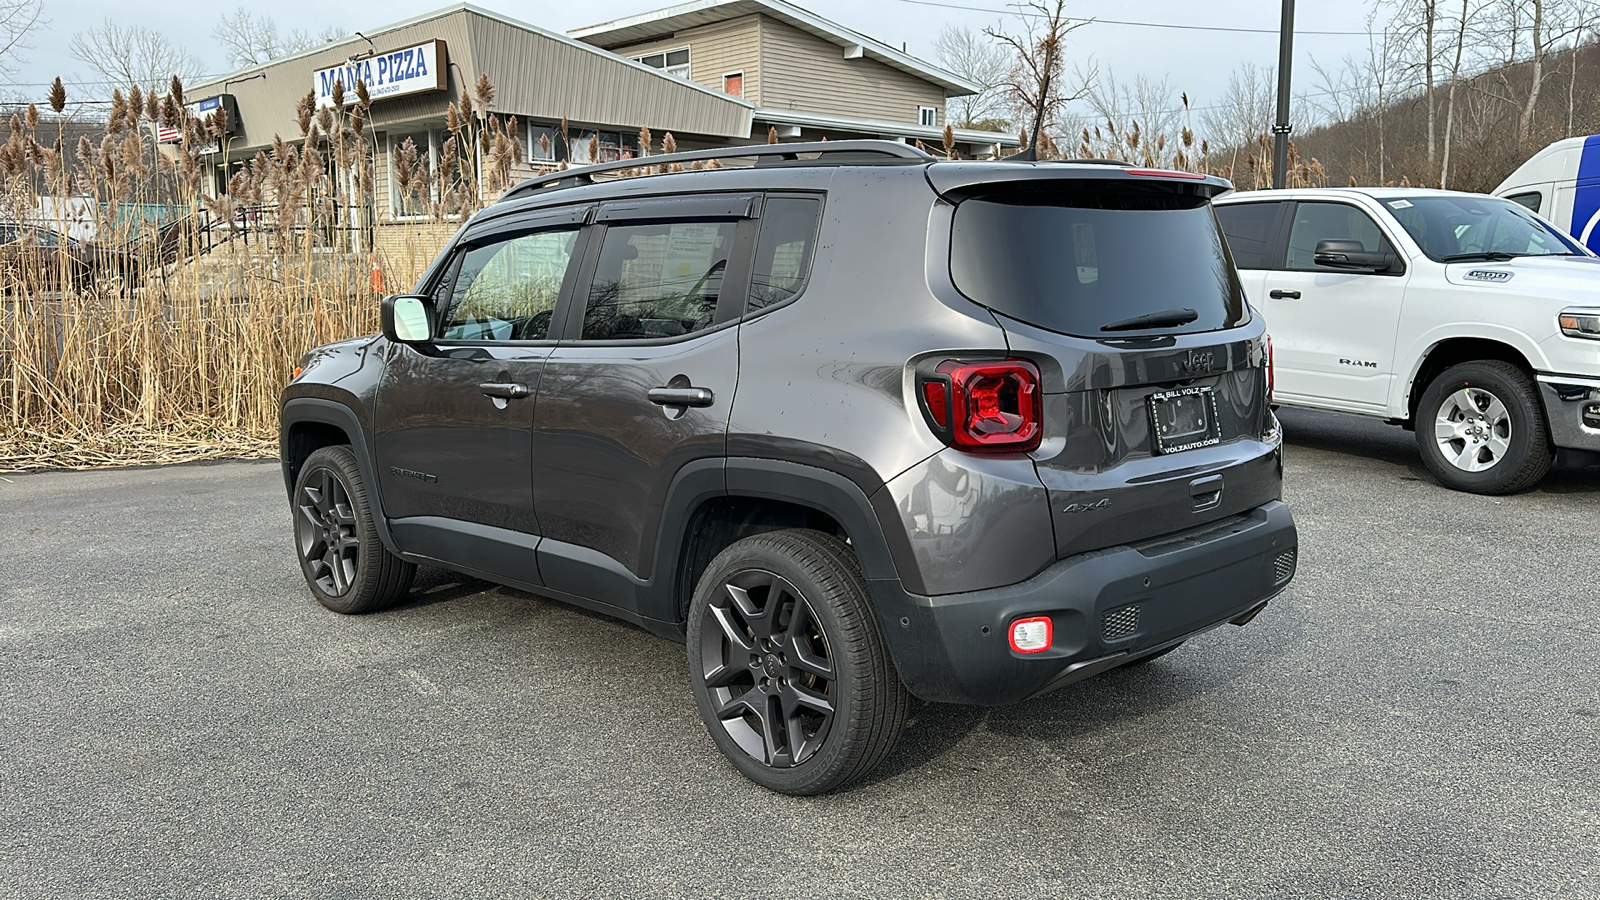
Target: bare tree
1417, 24
1458, 41
252, 40
1035, 82
17, 19
980, 59
134, 55
1245, 111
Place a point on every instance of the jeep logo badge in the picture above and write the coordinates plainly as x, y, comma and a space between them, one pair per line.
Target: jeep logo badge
1196, 362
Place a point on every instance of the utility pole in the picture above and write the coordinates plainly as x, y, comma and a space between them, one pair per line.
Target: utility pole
1280, 129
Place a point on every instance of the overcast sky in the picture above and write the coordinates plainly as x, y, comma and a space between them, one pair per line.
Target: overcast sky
1193, 60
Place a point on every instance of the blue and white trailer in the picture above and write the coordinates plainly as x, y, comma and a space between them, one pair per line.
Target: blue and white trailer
1562, 184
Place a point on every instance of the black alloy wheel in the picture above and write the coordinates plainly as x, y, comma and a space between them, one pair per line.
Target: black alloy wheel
789, 671
769, 668
345, 563
330, 547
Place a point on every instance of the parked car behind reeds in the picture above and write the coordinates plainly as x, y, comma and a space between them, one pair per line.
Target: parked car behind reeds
42, 259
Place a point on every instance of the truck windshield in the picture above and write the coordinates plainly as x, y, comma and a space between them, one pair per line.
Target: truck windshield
1469, 227
1094, 263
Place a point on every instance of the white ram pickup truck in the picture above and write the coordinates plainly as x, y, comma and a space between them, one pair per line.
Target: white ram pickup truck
1464, 317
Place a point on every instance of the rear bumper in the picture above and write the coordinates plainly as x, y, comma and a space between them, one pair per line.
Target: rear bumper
1107, 608
1566, 399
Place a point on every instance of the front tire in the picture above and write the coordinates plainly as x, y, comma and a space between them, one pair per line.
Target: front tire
788, 668
345, 563
1481, 429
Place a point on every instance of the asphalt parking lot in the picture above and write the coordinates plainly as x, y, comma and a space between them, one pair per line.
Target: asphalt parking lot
1418, 716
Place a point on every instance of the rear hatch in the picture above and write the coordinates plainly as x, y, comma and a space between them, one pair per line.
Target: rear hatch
1118, 285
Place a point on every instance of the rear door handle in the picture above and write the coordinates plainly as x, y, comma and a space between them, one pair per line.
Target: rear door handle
508, 391
681, 396
1284, 295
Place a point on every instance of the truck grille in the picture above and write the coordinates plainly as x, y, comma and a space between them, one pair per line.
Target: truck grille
1283, 566
1120, 623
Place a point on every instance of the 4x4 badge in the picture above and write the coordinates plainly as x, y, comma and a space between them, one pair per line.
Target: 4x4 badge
1102, 503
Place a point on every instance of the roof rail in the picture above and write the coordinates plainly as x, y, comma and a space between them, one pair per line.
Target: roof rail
820, 153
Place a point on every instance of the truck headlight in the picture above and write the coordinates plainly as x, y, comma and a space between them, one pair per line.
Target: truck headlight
1580, 322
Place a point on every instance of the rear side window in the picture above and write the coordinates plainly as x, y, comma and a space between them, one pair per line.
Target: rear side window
658, 280
1075, 262
1249, 230
1317, 222
784, 250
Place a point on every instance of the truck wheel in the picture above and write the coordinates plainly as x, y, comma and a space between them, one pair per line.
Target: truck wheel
1481, 428
346, 566
787, 665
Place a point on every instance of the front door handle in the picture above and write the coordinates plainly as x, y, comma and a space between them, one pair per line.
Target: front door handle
508, 391
1284, 295
681, 396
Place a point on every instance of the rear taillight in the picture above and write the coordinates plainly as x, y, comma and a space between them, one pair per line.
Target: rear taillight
985, 406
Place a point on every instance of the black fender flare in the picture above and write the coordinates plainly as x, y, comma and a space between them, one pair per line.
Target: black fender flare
331, 412
824, 490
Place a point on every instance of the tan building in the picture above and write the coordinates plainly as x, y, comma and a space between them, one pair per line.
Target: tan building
711, 73
805, 76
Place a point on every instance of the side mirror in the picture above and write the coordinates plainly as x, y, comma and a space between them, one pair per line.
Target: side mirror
1351, 255
407, 319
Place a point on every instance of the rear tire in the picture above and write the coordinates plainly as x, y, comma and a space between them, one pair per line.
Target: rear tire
345, 563
1481, 428
788, 669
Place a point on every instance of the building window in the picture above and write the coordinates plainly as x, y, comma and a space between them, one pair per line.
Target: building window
928, 115
607, 146
673, 62
733, 84
413, 189
544, 144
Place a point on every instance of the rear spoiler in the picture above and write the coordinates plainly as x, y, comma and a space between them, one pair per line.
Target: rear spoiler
955, 181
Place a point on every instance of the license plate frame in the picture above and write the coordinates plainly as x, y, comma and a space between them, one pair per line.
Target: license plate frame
1173, 426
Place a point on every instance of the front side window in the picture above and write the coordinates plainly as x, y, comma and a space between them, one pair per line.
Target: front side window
658, 280
1249, 230
1531, 200
507, 290
1097, 262
1466, 227
784, 250
1315, 222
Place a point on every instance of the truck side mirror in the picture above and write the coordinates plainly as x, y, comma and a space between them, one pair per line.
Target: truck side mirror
1344, 254
408, 319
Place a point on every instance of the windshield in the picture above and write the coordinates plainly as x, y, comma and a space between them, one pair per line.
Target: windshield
1093, 263
1471, 227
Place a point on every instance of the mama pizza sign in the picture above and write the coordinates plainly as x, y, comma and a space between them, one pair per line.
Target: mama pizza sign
411, 70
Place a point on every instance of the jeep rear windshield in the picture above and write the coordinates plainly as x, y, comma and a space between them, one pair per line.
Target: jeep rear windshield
1076, 262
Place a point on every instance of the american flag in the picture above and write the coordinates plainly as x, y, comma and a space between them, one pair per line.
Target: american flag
165, 135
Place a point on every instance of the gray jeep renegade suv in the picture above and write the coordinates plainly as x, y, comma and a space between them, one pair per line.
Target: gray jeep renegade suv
852, 422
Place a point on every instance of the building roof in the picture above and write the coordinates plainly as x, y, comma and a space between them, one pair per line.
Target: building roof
560, 77
664, 22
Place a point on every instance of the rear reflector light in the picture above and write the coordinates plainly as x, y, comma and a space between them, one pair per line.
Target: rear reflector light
1166, 173
934, 397
993, 406
1031, 635
1269, 370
